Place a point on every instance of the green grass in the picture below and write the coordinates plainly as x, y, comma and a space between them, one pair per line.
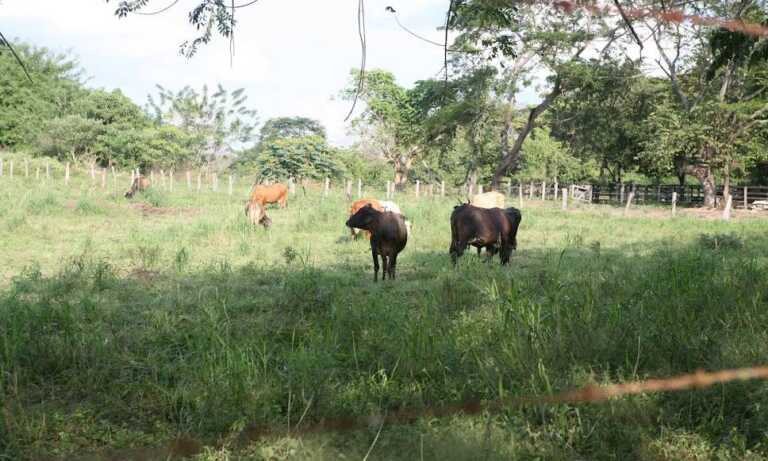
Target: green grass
125, 325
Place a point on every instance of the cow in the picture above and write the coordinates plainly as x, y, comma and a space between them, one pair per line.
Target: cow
257, 214
494, 229
139, 184
274, 193
387, 205
356, 205
490, 199
388, 237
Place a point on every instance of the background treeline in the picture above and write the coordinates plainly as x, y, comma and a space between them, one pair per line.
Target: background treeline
603, 117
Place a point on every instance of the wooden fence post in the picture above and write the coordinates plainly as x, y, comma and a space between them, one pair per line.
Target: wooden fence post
621, 194
189, 180
658, 193
557, 188
746, 194
431, 189
348, 190
26, 168
359, 188
103, 178
442, 188
674, 202
230, 186
479, 188
199, 181
629, 201
418, 188
520, 193
48, 170
66, 174
37, 174
170, 180
387, 194
10, 169
727, 209
543, 190
509, 187
565, 198
1, 167
93, 172
152, 176
327, 187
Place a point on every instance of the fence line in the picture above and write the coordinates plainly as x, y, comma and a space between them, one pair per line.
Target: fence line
743, 197
593, 393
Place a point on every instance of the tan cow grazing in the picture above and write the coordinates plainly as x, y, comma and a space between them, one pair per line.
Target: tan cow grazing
257, 214
356, 205
139, 184
488, 200
274, 193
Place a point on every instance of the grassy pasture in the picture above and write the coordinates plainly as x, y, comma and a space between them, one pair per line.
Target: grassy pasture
127, 324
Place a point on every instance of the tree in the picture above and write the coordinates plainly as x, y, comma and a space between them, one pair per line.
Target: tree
389, 125
218, 122
518, 36
25, 107
602, 116
290, 127
716, 79
208, 16
70, 137
306, 157
153, 146
464, 111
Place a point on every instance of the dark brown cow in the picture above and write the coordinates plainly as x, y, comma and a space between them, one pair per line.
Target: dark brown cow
257, 214
139, 184
495, 229
274, 193
356, 205
388, 237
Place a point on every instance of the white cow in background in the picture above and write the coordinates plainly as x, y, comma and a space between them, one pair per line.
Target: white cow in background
388, 205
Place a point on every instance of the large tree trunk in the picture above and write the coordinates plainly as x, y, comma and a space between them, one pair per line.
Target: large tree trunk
510, 157
704, 174
726, 182
402, 168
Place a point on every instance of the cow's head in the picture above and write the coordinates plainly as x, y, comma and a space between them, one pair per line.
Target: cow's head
364, 217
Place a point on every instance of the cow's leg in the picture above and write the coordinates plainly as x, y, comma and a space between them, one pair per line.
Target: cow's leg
479, 249
392, 266
505, 252
457, 249
385, 262
490, 251
375, 264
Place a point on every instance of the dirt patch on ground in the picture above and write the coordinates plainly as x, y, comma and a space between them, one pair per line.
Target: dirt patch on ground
149, 210
707, 213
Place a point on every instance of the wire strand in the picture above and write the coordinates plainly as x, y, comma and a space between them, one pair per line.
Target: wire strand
16, 56
160, 11
363, 51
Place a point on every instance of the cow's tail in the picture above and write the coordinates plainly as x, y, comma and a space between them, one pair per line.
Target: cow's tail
515, 217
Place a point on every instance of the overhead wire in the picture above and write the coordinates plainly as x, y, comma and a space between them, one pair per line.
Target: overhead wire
160, 11
363, 54
424, 39
4, 41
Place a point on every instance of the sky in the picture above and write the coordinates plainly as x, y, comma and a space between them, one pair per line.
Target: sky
292, 56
